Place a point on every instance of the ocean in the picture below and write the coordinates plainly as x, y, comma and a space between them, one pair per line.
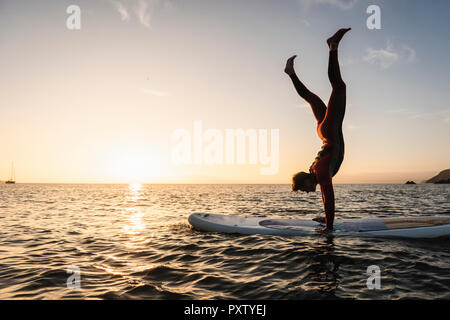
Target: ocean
88, 241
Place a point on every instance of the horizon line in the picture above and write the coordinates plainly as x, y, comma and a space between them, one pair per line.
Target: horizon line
205, 183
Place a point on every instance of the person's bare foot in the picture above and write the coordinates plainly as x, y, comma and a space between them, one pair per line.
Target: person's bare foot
324, 230
333, 41
290, 65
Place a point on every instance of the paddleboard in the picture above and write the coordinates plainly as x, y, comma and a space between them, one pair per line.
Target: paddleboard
407, 227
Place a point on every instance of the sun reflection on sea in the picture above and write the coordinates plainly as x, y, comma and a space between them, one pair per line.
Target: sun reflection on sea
134, 191
136, 225
134, 222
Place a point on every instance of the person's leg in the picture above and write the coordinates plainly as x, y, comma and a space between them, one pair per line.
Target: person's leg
317, 105
332, 124
334, 72
336, 105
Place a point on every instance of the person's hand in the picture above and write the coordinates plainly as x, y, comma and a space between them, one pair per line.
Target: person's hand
290, 65
324, 230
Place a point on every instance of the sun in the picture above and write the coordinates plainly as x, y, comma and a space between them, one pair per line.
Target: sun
127, 165
134, 169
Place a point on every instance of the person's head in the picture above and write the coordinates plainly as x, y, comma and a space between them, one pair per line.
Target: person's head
304, 182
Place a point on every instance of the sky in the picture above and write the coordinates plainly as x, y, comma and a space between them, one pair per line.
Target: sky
117, 99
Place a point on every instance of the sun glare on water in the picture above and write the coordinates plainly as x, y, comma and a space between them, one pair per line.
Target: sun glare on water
135, 187
134, 221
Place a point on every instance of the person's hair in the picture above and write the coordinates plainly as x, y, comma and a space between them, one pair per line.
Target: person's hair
298, 180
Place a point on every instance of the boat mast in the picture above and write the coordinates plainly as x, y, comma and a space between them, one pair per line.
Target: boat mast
13, 174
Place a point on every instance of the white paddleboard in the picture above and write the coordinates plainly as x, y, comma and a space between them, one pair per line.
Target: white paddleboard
408, 227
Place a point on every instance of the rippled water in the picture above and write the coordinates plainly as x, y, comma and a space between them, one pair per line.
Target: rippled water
134, 242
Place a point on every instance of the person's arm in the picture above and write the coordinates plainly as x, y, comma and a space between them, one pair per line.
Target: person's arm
326, 187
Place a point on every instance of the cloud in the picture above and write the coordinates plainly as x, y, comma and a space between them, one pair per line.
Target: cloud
143, 13
383, 57
343, 4
305, 22
124, 15
142, 9
154, 92
410, 53
443, 115
386, 57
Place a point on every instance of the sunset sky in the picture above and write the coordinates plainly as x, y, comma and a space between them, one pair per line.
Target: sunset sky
101, 104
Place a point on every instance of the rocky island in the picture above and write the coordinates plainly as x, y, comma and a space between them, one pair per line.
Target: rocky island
441, 177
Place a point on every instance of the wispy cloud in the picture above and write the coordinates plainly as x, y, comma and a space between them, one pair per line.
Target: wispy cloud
142, 9
143, 13
120, 8
154, 92
386, 57
343, 4
442, 115
305, 22
382, 57
410, 53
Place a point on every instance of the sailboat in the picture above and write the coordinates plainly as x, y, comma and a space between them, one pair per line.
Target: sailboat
12, 179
